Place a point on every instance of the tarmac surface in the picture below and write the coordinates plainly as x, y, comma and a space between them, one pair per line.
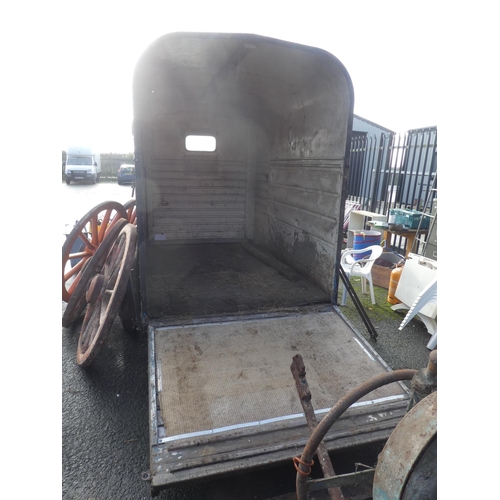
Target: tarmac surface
105, 436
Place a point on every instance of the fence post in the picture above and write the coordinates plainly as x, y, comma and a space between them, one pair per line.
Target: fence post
374, 193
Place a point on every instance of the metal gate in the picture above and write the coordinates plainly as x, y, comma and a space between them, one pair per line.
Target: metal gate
394, 171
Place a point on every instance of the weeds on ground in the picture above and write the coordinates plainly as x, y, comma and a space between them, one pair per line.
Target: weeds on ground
381, 311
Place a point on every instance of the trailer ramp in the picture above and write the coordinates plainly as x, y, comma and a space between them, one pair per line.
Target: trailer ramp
225, 399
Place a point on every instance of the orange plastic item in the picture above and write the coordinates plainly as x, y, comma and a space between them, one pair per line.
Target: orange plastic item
393, 284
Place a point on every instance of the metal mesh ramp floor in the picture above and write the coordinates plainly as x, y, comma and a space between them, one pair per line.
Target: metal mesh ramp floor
237, 373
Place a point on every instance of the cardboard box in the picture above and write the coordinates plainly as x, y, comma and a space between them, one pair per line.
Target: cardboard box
382, 268
381, 276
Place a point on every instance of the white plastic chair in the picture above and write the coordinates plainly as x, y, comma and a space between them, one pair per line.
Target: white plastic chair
362, 267
429, 294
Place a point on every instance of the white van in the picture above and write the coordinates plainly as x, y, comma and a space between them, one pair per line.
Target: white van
82, 164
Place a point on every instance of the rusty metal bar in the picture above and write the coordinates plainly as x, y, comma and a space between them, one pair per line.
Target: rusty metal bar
298, 369
334, 414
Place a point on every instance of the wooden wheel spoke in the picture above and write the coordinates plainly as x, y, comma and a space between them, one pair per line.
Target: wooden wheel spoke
130, 207
109, 225
85, 240
131, 215
94, 230
111, 271
75, 269
89, 330
113, 276
79, 255
105, 224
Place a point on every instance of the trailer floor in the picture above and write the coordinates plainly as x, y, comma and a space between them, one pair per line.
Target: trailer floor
238, 372
228, 319
221, 278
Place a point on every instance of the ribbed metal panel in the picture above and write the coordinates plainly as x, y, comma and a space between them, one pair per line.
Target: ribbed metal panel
190, 200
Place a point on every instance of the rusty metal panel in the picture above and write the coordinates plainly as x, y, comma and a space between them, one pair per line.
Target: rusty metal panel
410, 450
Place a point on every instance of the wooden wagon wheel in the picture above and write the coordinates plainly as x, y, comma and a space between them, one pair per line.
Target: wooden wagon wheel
129, 312
105, 294
86, 236
78, 301
130, 207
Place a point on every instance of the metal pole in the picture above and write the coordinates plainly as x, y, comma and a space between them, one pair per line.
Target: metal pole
298, 369
376, 178
366, 320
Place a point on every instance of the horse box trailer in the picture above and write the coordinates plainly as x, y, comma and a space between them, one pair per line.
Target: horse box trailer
82, 164
241, 147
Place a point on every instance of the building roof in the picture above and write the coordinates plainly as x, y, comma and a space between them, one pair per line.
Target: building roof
423, 129
373, 124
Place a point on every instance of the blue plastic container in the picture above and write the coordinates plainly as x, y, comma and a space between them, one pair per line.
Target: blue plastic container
364, 239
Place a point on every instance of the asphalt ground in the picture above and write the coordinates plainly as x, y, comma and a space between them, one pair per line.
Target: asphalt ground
105, 441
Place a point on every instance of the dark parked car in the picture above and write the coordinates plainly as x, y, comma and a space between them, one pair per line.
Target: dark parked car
126, 174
